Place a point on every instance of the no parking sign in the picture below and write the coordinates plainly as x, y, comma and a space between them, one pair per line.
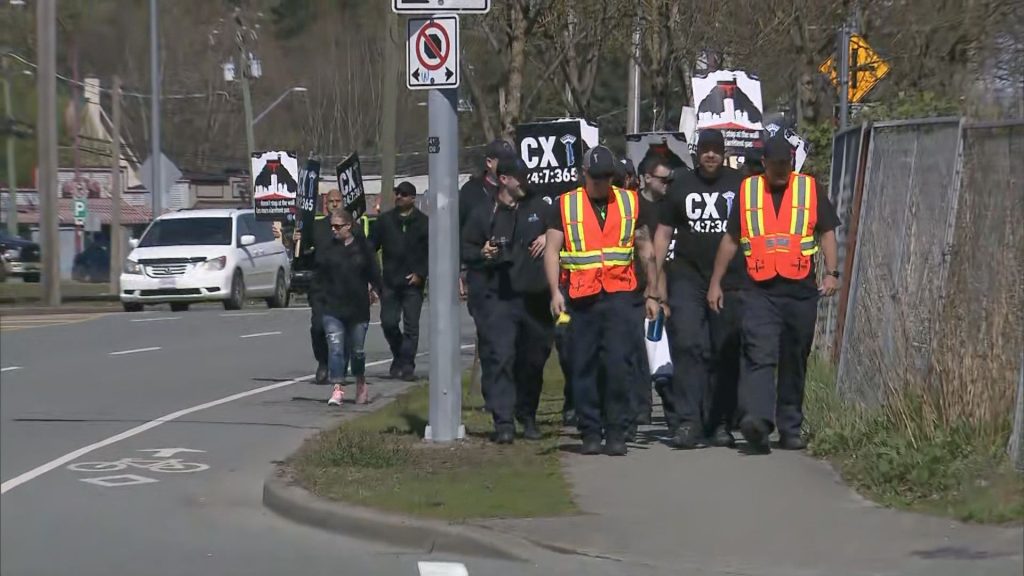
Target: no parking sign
432, 52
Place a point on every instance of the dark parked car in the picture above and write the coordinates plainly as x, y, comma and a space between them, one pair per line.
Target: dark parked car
92, 264
19, 258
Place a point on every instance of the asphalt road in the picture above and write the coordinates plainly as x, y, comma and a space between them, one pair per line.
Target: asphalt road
205, 402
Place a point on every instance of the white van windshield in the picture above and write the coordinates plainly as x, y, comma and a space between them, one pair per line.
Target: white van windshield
188, 232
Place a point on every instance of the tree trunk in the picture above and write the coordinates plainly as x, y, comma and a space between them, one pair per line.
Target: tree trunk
511, 111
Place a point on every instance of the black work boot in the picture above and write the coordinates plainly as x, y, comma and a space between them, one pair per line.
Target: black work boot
755, 432
321, 374
631, 433
504, 434
722, 437
686, 437
792, 442
530, 429
591, 445
395, 371
615, 445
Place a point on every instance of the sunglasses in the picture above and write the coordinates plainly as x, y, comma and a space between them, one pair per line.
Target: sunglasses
665, 179
404, 194
340, 226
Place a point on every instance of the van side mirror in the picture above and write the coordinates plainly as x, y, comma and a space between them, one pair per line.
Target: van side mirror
247, 240
133, 242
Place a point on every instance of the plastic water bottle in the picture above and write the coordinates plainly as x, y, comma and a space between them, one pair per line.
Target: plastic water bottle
654, 327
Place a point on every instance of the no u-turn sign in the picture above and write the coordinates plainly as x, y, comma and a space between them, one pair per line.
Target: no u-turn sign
432, 52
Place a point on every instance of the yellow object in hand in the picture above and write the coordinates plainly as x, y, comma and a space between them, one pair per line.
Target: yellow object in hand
562, 320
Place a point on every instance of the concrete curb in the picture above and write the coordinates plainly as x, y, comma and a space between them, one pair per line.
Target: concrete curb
287, 499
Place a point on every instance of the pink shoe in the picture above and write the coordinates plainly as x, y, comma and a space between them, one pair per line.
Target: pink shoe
336, 396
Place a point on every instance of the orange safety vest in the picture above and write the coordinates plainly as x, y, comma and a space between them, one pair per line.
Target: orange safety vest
778, 244
598, 258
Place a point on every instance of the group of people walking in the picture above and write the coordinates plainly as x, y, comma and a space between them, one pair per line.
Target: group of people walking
724, 260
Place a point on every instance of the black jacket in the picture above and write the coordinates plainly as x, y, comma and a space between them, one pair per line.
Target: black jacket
514, 272
477, 191
403, 246
344, 274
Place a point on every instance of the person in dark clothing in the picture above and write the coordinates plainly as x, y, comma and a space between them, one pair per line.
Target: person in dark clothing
502, 245
481, 189
658, 175
781, 220
319, 236
592, 240
349, 282
705, 346
401, 236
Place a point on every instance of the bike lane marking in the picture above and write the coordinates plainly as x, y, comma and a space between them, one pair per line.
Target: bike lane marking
135, 351
72, 456
75, 455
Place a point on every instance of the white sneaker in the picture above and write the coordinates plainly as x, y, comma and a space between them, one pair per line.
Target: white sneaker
336, 396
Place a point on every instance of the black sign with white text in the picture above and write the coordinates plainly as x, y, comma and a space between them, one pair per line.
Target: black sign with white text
350, 182
553, 153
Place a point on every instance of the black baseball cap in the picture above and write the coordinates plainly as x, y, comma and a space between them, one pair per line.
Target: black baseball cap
511, 165
628, 166
599, 162
405, 189
711, 139
778, 148
498, 148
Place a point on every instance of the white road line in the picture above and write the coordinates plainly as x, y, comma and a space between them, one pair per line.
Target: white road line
260, 334
72, 456
157, 319
240, 314
123, 352
10, 369
442, 569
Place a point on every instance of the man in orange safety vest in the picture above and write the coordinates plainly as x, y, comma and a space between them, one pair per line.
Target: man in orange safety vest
592, 236
782, 221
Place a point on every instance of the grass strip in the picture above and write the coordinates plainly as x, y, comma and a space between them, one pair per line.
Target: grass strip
379, 460
897, 455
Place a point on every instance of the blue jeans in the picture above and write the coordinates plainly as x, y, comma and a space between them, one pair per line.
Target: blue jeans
344, 348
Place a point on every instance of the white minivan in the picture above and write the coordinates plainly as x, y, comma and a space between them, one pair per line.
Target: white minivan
206, 255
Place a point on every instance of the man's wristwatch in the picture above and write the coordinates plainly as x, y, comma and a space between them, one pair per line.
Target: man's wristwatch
834, 273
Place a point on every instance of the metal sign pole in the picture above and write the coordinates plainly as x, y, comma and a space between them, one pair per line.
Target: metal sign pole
445, 374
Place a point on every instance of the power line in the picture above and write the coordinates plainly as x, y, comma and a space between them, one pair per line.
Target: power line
123, 92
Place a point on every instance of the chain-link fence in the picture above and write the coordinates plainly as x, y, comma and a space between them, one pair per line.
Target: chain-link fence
935, 299
846, 179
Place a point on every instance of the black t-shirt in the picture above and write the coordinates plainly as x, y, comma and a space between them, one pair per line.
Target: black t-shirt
698, 208
648, 217
827, 220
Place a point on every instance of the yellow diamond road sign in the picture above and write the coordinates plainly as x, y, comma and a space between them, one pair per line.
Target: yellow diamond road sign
867, 68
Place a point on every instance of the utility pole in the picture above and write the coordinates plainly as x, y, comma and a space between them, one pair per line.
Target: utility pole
843, 54
12, 176
154, 72
116, 240
445, 366
245, 72
633, 102
46, 122
388, 120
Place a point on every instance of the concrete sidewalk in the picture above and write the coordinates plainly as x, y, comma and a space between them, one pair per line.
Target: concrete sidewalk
718, 511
